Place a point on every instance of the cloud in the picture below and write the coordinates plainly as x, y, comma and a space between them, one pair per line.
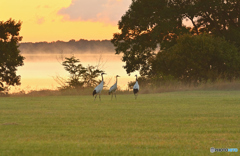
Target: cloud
43, 6
40, 20
109, 11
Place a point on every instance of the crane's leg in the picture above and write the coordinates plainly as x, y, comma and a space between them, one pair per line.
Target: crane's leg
136, 96
115, 96
95, 97
112, 96
99, 97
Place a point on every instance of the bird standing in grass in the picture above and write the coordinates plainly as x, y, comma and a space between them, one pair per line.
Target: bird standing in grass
136, 88
98, 89
113, 88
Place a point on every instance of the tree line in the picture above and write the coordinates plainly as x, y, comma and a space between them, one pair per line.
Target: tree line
72, 46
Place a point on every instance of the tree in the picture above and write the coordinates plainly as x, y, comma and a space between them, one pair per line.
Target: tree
199, 58
90, 76
149, 24
75, 70
80, 76
145, 26
10, 57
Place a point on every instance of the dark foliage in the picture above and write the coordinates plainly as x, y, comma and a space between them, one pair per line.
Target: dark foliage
10, 57
198, 59
152, 24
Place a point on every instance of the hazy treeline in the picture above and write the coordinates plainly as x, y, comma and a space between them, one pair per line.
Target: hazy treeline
72, 46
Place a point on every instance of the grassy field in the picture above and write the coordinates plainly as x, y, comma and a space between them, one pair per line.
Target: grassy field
174, 123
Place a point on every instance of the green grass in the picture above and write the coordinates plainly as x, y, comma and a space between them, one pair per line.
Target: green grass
174, 123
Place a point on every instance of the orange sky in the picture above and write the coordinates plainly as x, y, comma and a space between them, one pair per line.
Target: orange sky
45, 20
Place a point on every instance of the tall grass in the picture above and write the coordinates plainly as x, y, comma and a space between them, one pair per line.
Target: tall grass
167, 86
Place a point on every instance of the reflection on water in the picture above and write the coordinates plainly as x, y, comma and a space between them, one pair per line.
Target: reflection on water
39, 69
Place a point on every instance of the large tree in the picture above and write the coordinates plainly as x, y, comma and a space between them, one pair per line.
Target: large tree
10, 57
149, 24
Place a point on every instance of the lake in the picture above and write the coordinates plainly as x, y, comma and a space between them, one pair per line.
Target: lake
39, 70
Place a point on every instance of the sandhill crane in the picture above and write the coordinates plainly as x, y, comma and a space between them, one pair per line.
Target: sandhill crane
98, 89
136, 88
113, 88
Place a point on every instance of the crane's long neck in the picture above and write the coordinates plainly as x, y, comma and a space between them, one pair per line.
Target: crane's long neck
116, 79
136, 78
102, 77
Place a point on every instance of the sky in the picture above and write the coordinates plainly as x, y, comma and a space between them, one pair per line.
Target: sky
52, 20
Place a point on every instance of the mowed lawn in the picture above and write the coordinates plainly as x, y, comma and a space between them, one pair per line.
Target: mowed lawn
174, 123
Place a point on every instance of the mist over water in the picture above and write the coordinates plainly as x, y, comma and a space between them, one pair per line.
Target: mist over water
39, 69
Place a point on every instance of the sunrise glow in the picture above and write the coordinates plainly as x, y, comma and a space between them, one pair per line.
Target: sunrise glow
65, 19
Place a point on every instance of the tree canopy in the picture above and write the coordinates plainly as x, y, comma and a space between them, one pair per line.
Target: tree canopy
198, 59
152, 24
10, 57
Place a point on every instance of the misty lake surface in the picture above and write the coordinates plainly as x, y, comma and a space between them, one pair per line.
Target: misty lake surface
39, 70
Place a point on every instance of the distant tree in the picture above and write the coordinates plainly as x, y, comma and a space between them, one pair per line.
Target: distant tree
80, 77
76, 71
198, 58
10, 57
149, 24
